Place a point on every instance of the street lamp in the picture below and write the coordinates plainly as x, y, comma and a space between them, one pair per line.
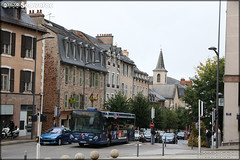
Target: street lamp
38, 114
215, 50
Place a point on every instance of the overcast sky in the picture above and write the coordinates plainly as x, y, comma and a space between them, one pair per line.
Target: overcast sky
183, 30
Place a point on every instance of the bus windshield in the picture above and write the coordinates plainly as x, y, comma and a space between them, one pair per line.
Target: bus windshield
85, 121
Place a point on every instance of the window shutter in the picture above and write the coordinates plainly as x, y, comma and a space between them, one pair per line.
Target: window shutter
12, 80
1, 42
34, 47
22, 81
23, 46
33, 81
13, 44
6, 37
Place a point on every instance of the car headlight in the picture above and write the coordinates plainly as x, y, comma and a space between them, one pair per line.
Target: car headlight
95, 138
71, 136
54, 137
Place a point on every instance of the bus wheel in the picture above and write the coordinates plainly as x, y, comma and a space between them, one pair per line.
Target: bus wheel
81, 145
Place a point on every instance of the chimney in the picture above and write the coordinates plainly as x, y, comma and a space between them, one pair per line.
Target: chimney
105, 38
38, 18
125, 52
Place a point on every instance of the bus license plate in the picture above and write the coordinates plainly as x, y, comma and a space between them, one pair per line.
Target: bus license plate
83, 142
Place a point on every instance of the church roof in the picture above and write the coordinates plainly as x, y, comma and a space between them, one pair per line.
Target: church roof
160, 64
166, 90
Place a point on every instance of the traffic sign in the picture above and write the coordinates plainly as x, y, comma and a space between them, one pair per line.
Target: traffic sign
151, 125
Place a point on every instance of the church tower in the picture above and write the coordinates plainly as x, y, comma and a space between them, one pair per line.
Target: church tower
160, 73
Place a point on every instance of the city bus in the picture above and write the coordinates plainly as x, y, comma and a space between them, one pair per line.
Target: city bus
101, 127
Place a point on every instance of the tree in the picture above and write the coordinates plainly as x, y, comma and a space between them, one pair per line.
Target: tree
119, 103
204, 88
182, 118
140, 107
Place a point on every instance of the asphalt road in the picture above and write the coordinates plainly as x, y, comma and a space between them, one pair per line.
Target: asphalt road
17, 151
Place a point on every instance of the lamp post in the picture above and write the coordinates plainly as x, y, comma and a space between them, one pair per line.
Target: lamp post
215, 50
39, 114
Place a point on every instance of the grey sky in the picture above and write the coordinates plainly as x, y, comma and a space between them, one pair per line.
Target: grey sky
184, 30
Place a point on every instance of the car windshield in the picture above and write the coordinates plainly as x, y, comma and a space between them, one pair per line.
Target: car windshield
54, 130
181, 133
147, 132
168, 134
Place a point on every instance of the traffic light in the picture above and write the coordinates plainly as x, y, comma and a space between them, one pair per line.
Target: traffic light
43, 118
216, 114
210, 123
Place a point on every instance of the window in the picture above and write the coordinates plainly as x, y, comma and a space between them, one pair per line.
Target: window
101, 102
86, 102
66, 74
96, 79
87, 55
102, 80
66, 100
87, 78
93, 56
80, 52
74, 76
130, 90
107, 98
101, 59
92, 79
72, 101
8, 43
123, 70
28, 48
74, 51
137, 89
26, 81
7, 84
158, 77
108, 80
67, 48
133, 90
117, 80
127, 71
113, 80
80, 77
77, 101
122, 91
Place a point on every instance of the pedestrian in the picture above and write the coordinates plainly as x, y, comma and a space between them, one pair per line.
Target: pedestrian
153, 135
11, 126
208, 135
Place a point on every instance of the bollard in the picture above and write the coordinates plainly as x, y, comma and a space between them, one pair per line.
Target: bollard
94, 155
79, 156
25, 155
162, 148
114, 153
65, 157
192, 143
137, 149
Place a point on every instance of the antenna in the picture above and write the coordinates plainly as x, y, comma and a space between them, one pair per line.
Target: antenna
49, 16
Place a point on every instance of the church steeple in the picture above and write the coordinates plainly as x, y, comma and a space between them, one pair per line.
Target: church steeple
160, 64
160, 73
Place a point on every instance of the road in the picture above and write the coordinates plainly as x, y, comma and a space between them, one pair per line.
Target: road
125, 150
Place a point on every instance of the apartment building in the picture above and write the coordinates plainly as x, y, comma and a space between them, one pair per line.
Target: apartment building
21, 81
74, 73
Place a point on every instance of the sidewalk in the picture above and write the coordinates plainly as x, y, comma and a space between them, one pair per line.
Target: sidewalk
19, 139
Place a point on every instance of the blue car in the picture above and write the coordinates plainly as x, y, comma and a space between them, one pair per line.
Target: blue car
56, 135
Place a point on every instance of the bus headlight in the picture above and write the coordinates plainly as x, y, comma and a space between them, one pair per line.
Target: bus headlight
95, 138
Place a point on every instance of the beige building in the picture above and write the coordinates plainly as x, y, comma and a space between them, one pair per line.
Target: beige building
231, 128
19, 53
140, 82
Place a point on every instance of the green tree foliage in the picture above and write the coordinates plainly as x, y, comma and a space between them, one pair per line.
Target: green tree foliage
194, 135
204, 88
118, 103
140, 107
182, 118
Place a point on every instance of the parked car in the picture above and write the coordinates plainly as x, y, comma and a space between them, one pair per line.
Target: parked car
147, 135
181, 135
136, 135
56, 135
169, 138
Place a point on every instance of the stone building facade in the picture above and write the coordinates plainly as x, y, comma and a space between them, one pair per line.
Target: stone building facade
231, 124
19, 53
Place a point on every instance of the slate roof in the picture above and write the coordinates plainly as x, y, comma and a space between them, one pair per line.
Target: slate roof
152, 92
62, 34
24, 21
138, 71
160, 64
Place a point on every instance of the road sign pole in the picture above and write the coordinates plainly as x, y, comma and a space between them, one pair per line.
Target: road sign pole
199, 129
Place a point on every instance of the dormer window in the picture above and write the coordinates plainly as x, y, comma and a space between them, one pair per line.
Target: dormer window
80, 51
67, 47
93, 55
101, 58
87, 53
74, 51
